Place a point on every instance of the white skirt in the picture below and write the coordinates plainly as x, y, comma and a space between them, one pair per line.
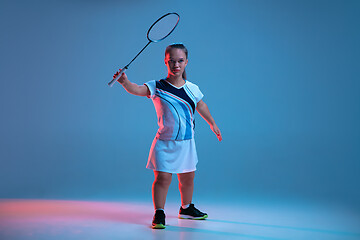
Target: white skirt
172, 156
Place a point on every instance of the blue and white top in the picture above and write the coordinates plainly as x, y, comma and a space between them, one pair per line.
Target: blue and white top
175, 108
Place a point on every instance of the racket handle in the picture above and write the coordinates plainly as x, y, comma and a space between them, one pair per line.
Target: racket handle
111, 83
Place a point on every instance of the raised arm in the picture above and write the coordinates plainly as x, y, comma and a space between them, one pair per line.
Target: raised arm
133, 88
203, 110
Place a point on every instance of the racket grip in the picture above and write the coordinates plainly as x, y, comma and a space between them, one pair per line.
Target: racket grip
111, 83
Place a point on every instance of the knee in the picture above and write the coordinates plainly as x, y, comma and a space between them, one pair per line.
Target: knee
163, 180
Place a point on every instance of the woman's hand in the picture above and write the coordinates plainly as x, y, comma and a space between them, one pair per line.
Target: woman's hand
122, 78
217, 132
130, 87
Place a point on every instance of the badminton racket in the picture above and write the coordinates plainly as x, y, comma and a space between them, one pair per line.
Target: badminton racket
157, 32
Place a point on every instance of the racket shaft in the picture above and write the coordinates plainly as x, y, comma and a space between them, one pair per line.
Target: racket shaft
111, 83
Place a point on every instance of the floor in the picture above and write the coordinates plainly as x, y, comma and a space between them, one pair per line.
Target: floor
73, 219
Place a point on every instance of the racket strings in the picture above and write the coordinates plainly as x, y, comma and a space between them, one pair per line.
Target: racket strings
163, 27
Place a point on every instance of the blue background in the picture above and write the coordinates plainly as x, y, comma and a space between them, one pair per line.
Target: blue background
280, 78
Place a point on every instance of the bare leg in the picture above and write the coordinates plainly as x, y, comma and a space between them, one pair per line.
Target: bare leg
186, 187
160, 188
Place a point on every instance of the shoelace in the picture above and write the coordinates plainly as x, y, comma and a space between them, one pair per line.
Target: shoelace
159, 213
197, 211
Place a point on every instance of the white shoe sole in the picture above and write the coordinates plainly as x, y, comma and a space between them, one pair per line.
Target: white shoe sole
182, 216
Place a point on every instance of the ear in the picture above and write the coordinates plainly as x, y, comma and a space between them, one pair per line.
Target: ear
186, 62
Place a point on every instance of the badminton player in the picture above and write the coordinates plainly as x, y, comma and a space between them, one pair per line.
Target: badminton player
173, 149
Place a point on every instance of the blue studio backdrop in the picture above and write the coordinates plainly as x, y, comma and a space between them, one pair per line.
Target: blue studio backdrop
280, 78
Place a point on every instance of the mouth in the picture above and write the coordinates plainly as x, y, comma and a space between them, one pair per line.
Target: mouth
176, 70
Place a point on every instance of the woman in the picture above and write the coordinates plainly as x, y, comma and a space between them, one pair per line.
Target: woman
173, 149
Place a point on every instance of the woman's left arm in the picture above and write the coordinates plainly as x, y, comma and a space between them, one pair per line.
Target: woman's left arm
203, 110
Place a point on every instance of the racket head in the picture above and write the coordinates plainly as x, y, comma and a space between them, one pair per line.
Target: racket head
163, 27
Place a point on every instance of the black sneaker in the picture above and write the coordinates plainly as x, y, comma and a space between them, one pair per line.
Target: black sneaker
192, 213
159, 220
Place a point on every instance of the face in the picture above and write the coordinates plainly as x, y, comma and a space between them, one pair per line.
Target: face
176, 62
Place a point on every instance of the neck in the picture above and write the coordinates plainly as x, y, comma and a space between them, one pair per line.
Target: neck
175, 80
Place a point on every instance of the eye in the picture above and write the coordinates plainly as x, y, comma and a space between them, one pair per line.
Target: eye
181, 60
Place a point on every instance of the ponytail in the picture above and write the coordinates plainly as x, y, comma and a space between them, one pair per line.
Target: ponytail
184, 75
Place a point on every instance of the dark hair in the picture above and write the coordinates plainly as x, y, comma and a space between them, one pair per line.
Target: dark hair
178, 46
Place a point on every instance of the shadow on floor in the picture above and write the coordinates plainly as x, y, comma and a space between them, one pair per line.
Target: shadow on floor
289, 227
